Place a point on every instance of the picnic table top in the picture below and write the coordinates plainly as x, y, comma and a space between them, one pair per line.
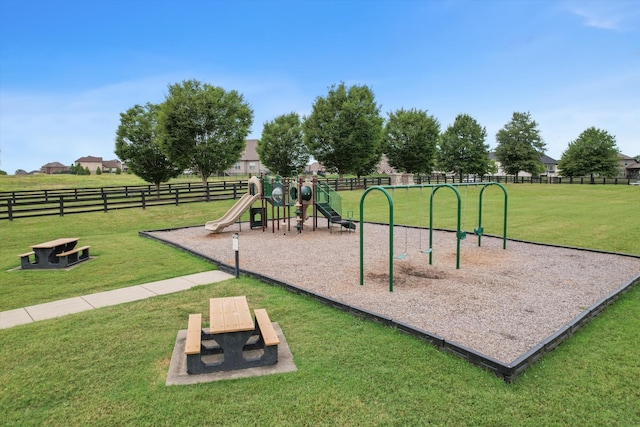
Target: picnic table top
230, 314
54, 243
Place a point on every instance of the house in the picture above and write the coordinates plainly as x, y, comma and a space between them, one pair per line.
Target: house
551, 166
112, 165
629, 166
315, 168
384, 167
249, 163
93, 163
54, 167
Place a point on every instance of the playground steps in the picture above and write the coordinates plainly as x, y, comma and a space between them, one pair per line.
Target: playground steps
334, 217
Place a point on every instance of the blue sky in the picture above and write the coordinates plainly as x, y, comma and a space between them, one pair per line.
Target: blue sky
68, 68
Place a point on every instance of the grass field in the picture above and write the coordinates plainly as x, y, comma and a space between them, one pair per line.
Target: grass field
44, 181
108, 366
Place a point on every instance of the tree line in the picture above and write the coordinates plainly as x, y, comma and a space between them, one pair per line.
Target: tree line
204, 128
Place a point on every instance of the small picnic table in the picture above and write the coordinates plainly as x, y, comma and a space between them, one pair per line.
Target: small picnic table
59, 253
236, 335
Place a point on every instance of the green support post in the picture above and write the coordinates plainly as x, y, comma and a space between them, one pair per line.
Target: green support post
386, 193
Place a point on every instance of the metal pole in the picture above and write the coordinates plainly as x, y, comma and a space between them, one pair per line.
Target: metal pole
236, 248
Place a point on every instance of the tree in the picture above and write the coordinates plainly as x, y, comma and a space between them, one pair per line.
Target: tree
137, 145
98, 170
204, 127
520, 145
410, 138
282, 148
462, 147
594, 152
344, 130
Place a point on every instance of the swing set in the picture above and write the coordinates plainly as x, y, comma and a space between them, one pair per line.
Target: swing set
460, 234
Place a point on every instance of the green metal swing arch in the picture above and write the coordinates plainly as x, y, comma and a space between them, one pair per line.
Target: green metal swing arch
460, 234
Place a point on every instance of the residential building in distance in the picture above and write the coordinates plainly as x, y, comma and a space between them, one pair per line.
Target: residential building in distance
249, 163
93, 163
551, 166
629, 166
54, 167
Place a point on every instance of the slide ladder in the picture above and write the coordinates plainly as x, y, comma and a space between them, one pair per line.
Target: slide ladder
329, 204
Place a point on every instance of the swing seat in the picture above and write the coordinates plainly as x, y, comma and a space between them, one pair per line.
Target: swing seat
478, 231
462, 235
401, 256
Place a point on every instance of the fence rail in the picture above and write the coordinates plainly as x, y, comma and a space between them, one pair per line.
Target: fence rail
34, 203
25, 204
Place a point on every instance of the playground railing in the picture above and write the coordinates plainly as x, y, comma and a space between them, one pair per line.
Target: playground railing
327, 196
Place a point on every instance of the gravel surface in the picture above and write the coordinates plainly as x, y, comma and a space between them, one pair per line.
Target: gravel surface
500, 302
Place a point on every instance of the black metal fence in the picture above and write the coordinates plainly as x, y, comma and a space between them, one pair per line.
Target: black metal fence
34, 203
525, 180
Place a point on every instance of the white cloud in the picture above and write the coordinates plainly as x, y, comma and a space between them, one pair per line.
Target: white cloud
606, 15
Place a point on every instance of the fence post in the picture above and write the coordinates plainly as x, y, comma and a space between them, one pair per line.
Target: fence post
144, 202
61, 206
177, 196
206, 191
9, 209
104, 201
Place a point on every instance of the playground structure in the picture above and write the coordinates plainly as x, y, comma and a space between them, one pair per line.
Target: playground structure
460, 234
283, 194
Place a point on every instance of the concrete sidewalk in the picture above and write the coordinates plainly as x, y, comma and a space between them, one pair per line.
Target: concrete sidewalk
49, 310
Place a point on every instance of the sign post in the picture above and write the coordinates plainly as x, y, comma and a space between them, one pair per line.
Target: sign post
236, 249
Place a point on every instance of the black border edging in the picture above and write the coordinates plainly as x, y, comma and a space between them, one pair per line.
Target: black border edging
508, 372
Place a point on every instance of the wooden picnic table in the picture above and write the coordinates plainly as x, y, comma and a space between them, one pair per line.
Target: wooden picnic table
237, 337
58, 253
229, 315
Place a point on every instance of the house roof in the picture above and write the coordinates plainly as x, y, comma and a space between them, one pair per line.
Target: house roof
54, 165
250, 153
89, 159
111, 163
548, 160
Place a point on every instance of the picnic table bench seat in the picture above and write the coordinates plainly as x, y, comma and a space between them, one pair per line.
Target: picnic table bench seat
74, 255
267, 333
194, 334
25, 258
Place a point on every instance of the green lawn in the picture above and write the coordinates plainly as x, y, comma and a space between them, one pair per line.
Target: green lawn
108, 366
58, 181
